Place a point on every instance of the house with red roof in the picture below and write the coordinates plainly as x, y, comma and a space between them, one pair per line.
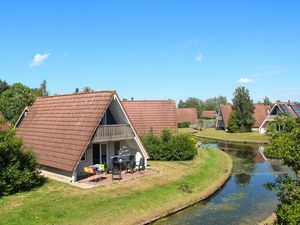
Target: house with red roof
71, 132
187, 115
210, 114
5, 125
289, 108
151, 116
260, 113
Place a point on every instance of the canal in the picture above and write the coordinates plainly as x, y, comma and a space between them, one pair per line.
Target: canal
243, 199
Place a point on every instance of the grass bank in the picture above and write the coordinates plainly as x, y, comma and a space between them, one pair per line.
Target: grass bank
132, 202
211, 133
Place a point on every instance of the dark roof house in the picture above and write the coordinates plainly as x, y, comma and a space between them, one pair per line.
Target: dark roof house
289, 108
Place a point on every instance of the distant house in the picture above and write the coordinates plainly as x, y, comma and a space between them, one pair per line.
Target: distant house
151, 116
187, 115
260, 113
4, 126
289, 108
70, 132
211, 114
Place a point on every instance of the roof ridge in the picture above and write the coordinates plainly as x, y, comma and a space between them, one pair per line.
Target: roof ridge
162, 100
81, 93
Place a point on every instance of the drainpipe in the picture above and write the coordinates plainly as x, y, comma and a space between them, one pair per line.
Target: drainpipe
74, 177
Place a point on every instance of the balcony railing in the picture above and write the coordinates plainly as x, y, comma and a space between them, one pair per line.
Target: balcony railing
271, 117
114, 132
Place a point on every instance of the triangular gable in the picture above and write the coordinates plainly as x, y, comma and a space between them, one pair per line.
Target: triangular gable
59, 128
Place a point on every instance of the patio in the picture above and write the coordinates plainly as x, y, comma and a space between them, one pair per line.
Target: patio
105, 179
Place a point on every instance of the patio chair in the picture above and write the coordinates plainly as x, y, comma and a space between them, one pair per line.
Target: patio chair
141, 165
131, 165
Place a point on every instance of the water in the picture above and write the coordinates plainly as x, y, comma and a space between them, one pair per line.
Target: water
243, 199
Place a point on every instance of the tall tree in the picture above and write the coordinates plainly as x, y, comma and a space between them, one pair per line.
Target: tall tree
3, 86
243, 108
266, 101
14, 99
285, 145
76, 91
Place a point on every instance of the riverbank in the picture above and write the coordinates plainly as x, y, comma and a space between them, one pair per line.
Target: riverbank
221, 135
173, 186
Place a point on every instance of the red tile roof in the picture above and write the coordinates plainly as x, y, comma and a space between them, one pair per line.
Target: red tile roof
187, 115
225, 112
209, 114
58, 128
4, 126
260, 113
151, 115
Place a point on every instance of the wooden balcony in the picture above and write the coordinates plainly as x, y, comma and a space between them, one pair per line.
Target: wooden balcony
271, 117
114, 132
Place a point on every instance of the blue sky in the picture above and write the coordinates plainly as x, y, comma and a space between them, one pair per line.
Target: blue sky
154, 49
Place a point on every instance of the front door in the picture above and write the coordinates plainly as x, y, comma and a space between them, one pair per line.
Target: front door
100, 153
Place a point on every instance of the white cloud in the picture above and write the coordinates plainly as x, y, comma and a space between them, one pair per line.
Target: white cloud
38, 59
199, 57
245, 80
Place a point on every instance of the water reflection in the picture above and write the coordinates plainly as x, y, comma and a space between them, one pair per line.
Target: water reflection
243, 200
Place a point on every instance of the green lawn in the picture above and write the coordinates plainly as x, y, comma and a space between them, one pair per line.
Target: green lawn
211, 133
128, 202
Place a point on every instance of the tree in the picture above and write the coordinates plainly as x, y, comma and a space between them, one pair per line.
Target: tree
14, 100
266, 101
42, 90
285, 145
192, 103
76, 91
243, 108
18, 166
87, 89
3, 86
213, 103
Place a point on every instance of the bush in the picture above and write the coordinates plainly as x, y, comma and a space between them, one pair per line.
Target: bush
18, 167
184, 124
169, 146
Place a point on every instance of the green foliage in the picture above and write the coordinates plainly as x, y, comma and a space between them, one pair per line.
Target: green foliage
285, 145
169, 146
183, 124
288, 193
14, 99
42, 90
243, 109
18, 167
87, 89
192, 103
233, 123
266, 101
3, 86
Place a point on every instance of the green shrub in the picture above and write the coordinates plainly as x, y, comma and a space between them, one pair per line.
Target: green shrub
18, 167
184, 124
169, 146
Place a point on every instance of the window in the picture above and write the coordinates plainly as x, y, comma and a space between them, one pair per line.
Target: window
83, 157
117, 147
